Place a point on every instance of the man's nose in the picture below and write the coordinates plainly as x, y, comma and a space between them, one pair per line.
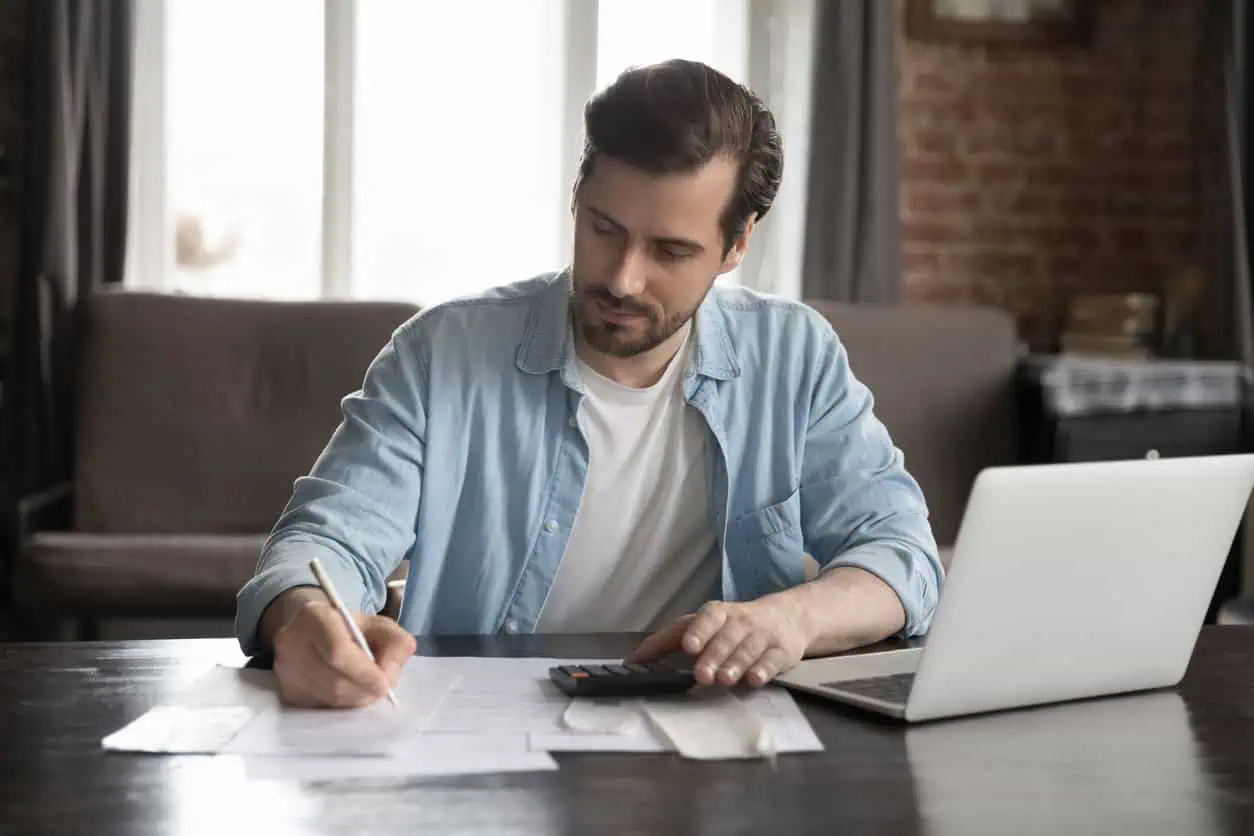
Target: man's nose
629, 279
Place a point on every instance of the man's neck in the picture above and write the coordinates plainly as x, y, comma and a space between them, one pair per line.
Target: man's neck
639, 371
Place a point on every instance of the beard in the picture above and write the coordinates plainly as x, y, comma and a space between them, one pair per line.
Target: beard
617, 340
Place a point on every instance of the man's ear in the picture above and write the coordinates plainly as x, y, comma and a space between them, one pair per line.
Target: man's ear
736, 254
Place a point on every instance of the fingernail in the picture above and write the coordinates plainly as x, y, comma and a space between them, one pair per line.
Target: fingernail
691, 644
708, 671
758, 676
731, 672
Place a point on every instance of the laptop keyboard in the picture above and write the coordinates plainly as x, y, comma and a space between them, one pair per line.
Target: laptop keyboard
894, 688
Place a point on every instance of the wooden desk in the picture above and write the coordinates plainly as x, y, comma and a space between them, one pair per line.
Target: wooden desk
1165, 763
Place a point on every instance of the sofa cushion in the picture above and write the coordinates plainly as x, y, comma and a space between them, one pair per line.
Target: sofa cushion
942, 379
196, 414
193, 575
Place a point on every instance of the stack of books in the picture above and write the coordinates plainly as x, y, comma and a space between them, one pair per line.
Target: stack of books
1111, 325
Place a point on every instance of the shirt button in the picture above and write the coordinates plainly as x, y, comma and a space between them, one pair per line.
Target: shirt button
572, 421
511, 626
550, 526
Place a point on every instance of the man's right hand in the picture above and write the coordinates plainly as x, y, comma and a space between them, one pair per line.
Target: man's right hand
316, 660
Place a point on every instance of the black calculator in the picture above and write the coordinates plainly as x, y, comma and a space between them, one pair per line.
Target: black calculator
653, 679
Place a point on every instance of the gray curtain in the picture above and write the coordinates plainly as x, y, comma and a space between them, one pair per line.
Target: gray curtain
1233, 25
73, 183
853, 225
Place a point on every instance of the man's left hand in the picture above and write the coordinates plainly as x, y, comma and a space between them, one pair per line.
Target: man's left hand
753, 641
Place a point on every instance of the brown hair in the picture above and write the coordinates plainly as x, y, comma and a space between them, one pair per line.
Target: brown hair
678, 115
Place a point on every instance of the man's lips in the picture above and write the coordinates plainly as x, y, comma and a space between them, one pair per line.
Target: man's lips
619, 316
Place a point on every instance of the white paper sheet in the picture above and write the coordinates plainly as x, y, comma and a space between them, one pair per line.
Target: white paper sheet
496, 695
378, 729
430, 755
172, 729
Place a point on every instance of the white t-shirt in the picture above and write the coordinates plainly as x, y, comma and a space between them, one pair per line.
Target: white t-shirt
640, 553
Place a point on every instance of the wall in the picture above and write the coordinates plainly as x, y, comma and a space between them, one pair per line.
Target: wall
1032, 173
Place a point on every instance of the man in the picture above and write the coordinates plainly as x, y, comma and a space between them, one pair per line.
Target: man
618, 446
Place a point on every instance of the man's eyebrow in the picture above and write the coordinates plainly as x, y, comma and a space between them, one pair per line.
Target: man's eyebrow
665, 241
680, 243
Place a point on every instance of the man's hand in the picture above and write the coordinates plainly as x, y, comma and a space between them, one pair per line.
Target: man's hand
320, 666
756, 641
753, 641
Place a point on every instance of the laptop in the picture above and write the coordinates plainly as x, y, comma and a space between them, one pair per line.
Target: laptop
1067, 581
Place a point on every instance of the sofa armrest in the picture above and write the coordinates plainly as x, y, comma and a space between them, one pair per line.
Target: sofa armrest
49, 509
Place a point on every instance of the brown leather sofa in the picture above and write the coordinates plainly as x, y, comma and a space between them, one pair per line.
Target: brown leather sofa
194, 416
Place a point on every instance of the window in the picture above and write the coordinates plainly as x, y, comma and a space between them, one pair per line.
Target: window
244, 145
457, 167
403, 149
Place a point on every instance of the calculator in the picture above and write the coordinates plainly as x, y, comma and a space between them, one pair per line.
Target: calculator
653, 679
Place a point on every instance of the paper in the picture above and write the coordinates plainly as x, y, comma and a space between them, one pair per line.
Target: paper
495, 695
457, 716
708, 725
430, 755
378, 729
266, 727
507, 696
175, 729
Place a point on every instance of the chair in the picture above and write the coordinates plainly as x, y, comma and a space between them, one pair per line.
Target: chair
194, 416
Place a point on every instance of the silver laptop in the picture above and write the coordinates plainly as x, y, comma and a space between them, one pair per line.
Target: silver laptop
1067, 581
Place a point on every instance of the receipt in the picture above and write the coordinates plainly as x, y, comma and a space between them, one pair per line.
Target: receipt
175, 729
711, 725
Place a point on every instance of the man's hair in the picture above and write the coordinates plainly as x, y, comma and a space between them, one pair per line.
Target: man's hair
675, 117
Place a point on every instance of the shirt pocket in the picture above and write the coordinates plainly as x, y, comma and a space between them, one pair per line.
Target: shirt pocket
770, 544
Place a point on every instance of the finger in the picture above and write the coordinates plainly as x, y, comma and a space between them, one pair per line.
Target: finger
770, 664
391, 644
660, 644
739, 660
718, 649
705, 624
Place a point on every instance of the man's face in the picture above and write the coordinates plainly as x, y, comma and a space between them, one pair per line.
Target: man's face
647, 250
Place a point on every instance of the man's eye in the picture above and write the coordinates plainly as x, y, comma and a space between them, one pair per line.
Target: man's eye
667, 254
602, 228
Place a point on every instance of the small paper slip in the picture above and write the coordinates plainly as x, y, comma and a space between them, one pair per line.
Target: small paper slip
174, 729
713, 725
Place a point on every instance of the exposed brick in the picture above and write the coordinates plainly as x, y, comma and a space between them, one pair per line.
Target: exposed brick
1031, 174
929, 198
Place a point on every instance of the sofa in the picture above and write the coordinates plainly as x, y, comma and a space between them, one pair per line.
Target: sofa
196, 414
193, 417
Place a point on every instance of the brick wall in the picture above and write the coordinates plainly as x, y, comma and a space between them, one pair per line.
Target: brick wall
1032, 173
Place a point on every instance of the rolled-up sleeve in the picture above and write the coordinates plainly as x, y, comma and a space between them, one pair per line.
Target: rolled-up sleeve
355, 510
859, 505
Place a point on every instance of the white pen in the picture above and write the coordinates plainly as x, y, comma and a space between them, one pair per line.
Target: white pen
328, 588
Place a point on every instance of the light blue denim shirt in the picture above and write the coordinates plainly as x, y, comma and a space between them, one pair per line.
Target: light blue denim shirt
461, 454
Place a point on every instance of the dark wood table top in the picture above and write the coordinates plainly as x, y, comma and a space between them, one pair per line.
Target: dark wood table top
1173, 762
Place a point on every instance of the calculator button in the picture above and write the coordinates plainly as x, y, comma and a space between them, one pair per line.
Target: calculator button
633, 667
620, 670
595, 670
580, 675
